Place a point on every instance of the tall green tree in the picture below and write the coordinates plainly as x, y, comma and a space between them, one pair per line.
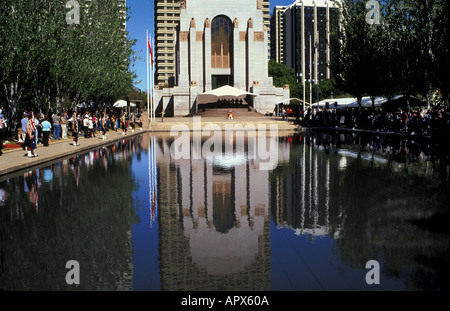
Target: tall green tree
19, 50
438, 34
282, 75
44, 57
355, 57
405, 53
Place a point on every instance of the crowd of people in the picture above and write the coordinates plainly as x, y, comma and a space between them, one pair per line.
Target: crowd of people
427, 122
38, 128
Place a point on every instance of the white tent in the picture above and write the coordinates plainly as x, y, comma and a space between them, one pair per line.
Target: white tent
366, 102
222, 93
338, 103
122, 103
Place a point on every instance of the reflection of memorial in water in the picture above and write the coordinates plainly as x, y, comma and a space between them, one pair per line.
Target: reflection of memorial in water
214, 223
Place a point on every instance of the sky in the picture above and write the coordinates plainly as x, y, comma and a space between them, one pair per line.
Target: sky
140, 20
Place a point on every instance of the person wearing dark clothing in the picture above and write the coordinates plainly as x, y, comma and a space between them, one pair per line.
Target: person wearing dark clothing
46, 127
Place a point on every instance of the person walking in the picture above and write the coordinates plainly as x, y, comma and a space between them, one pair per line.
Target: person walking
30, 140
46, 127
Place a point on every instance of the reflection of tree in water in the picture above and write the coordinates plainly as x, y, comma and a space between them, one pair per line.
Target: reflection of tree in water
374, 210
303, 194
384, 211
90, 223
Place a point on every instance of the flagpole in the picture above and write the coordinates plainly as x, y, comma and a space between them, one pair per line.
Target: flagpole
155, 177
150, 179
310, 72
148, 88
153, 81
304, 74
317, 66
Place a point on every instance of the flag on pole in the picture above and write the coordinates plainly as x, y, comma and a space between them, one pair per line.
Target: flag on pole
150, 50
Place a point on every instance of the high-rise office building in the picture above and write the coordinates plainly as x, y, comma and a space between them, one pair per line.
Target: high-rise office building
302, 39
277, 34
167, 19
266, 18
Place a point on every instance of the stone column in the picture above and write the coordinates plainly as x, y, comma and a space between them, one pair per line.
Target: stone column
250, 53
184, 59
207, 56
265, 63
236, 55
192, 52
243, 60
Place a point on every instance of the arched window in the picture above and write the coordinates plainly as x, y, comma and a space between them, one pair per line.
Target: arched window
221, 42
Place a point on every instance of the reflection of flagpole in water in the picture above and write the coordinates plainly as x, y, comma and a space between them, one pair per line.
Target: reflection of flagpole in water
152, 180
303, 184
310, 178
327, 197
316, 189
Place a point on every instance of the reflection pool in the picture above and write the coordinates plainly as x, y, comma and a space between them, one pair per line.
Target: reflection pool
135, 217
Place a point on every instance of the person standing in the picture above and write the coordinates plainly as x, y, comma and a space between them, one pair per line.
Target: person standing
37, 125
86, 125
56, 127
103, 125
63, 123
116, 122
133, 122
46, 127
124, 123
75, 129
94, 125
91, 127
30, 140
23, 129
3, 129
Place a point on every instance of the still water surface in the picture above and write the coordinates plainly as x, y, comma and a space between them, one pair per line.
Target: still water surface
135, 218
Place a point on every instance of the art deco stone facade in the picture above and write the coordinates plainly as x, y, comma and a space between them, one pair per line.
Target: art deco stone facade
220, 43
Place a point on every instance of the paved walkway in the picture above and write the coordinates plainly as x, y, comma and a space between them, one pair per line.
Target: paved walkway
17, 159
166, 124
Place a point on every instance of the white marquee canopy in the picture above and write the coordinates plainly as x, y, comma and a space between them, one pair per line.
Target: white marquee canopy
223, 93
